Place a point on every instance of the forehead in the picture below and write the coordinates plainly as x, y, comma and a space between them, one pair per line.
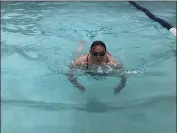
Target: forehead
99, 48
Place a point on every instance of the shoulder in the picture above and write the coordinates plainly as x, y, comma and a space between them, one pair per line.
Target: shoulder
113, 62
80, 60
111, 59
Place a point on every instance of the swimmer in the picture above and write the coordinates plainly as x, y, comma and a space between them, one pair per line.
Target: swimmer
97, 58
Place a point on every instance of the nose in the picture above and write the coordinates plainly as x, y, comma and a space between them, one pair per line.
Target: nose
98, 56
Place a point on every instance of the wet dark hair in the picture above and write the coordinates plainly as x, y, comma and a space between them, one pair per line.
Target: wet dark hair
98, 43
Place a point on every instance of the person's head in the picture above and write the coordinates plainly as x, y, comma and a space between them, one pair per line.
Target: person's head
98, 50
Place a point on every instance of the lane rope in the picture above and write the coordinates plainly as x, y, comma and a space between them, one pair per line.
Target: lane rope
153, 17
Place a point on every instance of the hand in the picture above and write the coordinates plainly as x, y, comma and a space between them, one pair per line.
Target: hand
81, 88
118, 88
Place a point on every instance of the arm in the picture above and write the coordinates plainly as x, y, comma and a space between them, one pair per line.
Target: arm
72, 78
117, 66
122, 84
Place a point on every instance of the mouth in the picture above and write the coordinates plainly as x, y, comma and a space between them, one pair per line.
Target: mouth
97, 59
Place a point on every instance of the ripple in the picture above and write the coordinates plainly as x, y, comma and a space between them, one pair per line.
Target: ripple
93, 105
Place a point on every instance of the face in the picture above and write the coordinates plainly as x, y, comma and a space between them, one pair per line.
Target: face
98, 53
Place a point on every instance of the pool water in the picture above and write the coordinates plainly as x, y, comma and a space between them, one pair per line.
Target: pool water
38, 39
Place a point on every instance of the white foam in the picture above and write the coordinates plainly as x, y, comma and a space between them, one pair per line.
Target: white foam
100, 70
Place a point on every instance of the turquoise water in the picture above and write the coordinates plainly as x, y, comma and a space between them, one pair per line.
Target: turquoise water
38, 39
